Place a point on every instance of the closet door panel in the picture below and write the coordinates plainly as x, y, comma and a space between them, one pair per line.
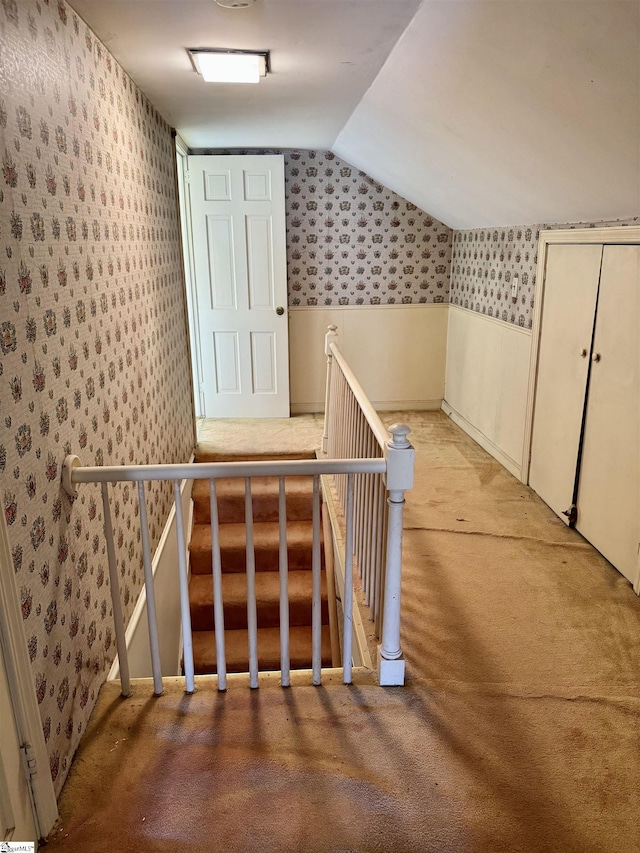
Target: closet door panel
570, 294
609, 492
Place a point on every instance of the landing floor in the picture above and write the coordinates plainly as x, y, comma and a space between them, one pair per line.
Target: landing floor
518, 729
298, 435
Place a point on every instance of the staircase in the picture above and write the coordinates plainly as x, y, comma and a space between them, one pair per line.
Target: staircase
231, 517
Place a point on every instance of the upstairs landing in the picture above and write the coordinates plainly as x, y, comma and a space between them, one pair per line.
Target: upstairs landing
297, 437
518, 728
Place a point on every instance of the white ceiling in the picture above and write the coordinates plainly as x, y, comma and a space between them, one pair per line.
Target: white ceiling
482, 112
324, 56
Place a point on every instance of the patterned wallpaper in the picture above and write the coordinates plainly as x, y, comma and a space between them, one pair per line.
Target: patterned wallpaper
350, 241
92, 338
485, 261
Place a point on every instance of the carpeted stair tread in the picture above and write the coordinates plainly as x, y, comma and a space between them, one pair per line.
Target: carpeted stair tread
234, 596
209, 456
230, 492
237, 654
266, 543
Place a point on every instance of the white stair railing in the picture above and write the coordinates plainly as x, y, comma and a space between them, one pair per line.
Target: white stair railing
353, 429
74, 474
371, 467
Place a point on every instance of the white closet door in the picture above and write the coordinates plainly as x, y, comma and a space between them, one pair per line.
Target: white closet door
609, 493
570, 294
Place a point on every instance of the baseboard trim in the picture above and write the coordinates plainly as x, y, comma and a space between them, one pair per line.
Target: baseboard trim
317, 407
480, 438
165, 550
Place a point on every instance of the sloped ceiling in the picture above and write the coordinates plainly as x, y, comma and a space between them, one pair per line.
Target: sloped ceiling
482, 112
493, 113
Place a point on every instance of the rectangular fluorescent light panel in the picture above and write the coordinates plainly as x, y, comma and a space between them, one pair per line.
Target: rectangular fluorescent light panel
221, 67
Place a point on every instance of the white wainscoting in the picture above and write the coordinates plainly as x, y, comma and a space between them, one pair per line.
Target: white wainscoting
487, 379
167, 593
396, 351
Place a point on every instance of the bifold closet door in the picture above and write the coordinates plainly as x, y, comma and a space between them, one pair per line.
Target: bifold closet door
570, 295
609, 491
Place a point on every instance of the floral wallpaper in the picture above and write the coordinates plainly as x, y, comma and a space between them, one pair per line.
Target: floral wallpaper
351, 241
485, 261
92, 340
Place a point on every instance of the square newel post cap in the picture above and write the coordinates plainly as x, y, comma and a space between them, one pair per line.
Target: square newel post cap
400, 459
330, 337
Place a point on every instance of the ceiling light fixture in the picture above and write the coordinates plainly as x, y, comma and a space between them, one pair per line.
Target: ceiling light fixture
235, 4
230, 66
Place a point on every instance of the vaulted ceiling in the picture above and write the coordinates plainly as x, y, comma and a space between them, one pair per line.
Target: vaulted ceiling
482, 112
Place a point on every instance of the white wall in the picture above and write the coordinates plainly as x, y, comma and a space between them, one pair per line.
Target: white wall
487, 379
396, 351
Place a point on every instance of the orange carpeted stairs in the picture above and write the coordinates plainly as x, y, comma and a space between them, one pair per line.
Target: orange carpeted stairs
231, 509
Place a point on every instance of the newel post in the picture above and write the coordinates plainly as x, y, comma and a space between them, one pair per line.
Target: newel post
330, 338
399, 478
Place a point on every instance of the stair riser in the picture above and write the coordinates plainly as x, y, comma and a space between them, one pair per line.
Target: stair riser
235, 615
266, 664
237, 655
264, 495
231, 510
267, 560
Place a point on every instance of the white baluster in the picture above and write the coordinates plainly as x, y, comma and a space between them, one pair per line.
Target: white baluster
380, 502
252, 613
218, 603
347, 645
380, 588
152, 619
283, 568
376, 534
368, 530
118, 621
357, 498
185, 614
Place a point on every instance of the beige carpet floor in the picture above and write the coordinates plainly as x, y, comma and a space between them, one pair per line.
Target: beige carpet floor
518, 729
300, 435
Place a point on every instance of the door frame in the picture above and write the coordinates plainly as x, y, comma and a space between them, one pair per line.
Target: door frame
22, 688
187, 232
186, 235
567, 236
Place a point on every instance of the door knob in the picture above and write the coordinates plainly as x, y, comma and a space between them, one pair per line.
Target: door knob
596, 356
279, 310
583, 353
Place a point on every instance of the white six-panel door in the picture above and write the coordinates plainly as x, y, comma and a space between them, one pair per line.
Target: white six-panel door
239, 248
